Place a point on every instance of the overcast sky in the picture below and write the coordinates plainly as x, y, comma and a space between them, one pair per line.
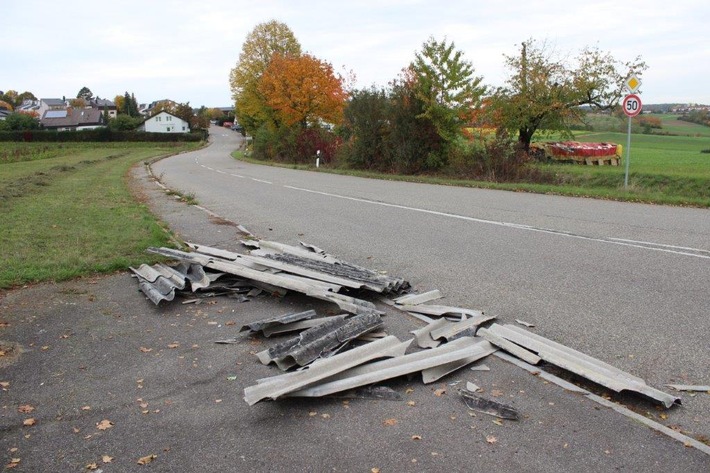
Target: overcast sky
184, 49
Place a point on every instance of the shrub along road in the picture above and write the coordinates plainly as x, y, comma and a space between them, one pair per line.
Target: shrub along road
95, 350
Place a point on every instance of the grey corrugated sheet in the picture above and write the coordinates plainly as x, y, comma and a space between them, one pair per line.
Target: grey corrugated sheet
280, 320
440, 310
582, 364
277, 386
318, 341
416, 299
297, 326
423, 335
509, 346
387, 369
454, 330
158, 282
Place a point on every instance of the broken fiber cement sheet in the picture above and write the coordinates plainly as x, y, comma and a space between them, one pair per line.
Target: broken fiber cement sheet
581, 364
463, 348
277, 386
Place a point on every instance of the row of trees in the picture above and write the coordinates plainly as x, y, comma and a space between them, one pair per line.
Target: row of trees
428, 118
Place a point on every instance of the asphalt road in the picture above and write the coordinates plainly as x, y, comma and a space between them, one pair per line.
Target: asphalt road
626, 283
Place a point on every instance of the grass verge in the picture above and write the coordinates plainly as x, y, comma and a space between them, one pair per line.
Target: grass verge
71, 213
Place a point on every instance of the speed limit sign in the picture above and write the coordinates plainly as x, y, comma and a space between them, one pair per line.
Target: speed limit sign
631, 105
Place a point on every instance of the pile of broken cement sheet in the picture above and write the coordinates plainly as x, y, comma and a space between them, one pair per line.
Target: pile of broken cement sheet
334, 362
447, 345
270, 266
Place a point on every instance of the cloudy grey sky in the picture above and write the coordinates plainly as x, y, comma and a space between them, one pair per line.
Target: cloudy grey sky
184, 49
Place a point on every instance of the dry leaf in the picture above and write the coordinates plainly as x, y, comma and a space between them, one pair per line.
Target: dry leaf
416, 437
86, 408
29, 422
146, 350
173, 345
496, 393
14, 449
106, 459
25, 409
439, 392
409, 391
4, 385
411, 403
664, 416
76, 430
230, 322
491, 439
104, 424
498, 422
374, 470
312, 414
325, 416
143, 405
390, 422
92, 466
147, 459
13, 463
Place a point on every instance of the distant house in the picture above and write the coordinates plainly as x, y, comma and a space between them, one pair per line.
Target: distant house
164, 122
46, 105
71, 119
103, 104
4, 113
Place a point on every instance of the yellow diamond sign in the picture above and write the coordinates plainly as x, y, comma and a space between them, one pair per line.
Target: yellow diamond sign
633, 83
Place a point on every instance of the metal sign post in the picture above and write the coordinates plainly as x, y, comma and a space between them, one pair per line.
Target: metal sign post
632, 107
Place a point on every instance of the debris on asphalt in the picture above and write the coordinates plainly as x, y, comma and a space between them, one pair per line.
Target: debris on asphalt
487, 406
480, 367
581, 364
472, 387
320, 340
331, 348
261, 325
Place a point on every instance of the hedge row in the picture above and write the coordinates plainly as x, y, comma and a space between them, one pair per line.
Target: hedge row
99, 135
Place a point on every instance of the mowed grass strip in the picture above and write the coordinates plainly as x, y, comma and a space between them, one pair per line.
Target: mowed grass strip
73, 214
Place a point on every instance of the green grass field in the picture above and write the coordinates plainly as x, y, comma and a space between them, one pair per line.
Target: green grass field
67, 210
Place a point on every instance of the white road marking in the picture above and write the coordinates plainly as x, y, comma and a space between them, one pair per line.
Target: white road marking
614, 241
645, 245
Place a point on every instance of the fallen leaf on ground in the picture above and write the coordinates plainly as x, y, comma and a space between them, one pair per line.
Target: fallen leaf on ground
491, 439
14, 449
29, 422
416, 437
147, 459
173, 345
106, 459
374, 470
440, 392
4, 385
13, 463
104, 424
25, 409
92, 466
230, 322
86, 408
146, 350
411, 403
390, 422
409, 391
325, 416
496, 393
76, 430
498, 422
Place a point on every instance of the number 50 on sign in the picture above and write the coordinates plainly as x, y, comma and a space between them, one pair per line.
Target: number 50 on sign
631, 105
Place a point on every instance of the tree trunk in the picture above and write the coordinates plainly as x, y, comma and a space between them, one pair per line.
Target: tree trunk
524, 138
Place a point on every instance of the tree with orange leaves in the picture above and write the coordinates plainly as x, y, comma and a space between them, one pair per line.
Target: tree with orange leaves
303, 90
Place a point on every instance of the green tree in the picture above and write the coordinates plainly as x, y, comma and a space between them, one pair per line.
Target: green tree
265, 40
85, 93
546, 93
445, 84
124, 122
365, 129
19, 121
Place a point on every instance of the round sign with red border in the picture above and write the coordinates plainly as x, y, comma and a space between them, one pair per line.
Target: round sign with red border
631, 105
